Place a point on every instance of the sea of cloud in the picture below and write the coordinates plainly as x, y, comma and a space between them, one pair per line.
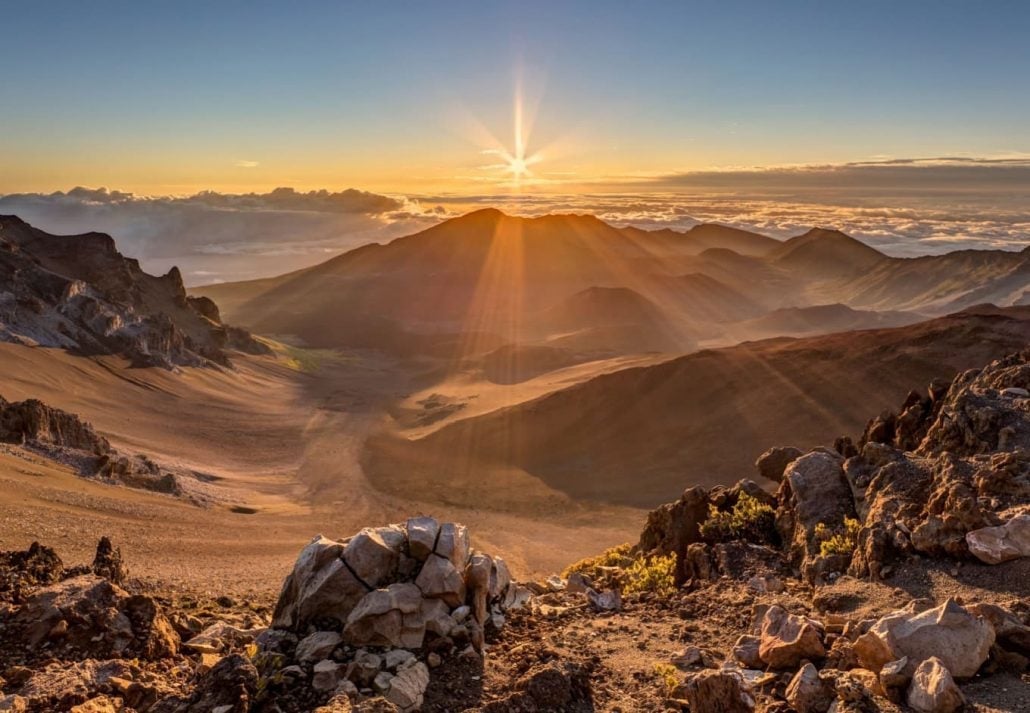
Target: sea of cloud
215, 237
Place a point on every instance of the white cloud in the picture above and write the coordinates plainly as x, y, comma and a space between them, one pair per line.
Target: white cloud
246, 164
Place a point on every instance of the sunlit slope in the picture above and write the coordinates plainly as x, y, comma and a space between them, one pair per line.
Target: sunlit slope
641, 435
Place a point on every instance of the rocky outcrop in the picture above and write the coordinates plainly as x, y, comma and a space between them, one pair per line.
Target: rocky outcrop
394, 585
969, 475
33, 421
90, 614
673, 527
813, 497
79, 293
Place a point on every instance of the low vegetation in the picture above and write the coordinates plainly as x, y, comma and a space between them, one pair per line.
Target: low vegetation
668, 678
651, 574
600, 566
838, 541
628, 571
750, 519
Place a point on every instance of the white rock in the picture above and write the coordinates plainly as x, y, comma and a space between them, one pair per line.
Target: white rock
933, 690
396, 658
960, 640
408, 687
994, 545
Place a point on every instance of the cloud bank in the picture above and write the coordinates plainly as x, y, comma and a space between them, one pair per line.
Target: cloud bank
905, 207
216, 237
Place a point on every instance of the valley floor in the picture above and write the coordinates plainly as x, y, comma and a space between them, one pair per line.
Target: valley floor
277, 448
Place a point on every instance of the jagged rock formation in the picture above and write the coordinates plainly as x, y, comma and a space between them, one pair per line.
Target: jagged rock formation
34, 422
64, 437
79, 293
967, 468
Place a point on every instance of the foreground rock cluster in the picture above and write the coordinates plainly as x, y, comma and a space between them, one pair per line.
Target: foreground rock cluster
359, 625
887, 573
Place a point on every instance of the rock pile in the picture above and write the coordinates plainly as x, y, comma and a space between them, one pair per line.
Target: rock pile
914, 655
352, 610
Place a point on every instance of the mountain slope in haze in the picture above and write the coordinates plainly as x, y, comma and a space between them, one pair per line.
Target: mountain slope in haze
704, 236
78, 292
818, 319
482, 273
826, 253
481, 281
942, 282
638, 435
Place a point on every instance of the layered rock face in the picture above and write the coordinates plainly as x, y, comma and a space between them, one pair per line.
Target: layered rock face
79, 293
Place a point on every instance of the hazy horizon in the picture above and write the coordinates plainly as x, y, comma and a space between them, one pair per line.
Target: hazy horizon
214, 237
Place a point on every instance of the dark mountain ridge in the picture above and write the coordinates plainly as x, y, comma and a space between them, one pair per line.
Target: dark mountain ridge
79, 293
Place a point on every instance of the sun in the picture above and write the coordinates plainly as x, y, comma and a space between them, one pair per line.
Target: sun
518, 167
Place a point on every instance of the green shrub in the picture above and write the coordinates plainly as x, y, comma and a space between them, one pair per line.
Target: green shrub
840, 541
750, 519
596, 567
668, 678
651, 574
620, 568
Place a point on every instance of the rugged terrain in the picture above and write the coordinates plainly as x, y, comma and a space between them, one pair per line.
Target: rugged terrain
888, 572
79, 293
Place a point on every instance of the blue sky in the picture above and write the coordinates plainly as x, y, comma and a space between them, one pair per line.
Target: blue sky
177, 97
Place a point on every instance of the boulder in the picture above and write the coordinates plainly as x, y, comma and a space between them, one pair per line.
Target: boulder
814, 492
960, 640
787, 639
745, 651
374, 553
453, 544
771, 464
1009, 631
439, 578
673, 527
933, 690
326, 675
317, 646
422, 532
408, 687
388, 617
717, 692
995, 545
321, 585
808, 693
